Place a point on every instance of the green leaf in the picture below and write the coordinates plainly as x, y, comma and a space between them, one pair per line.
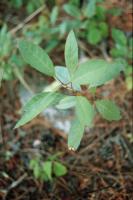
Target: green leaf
119, 37
119, 51
5, 42
36, 57
91, 8
84, 111
32, 163
37, 104
47, 169
96, 72
71, 53
75, 134
37, 171
108, 110
8, 71
94, 36
67, 102
100, 13
54, 15
35, 166
76, 86
103, 28
62, 74
17, 60
59, 169
72, 10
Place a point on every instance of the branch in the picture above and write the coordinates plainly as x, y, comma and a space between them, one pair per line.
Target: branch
26, 20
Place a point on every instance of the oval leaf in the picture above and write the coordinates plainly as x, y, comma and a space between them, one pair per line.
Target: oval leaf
71, 53
84, 111
67, 102
62, 74
47, 169
97, 72
108, 110
119, 37
54, 15
90, 10
59, 169
72, 10
75, 134
37, 104
36, 57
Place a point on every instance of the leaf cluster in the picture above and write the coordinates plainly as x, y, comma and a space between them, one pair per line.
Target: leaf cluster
47, 170
92, 73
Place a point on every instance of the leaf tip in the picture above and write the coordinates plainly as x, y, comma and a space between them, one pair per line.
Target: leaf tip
18, 124
71, 149
15, 127
71, 33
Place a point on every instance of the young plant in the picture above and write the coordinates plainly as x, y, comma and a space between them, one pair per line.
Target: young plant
92, 73
44, 170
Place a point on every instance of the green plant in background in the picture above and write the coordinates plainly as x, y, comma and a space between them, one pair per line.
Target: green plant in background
11, 64
5, 51
123, 49
45, 25
31, 5
123, 46
46, 170
91, 18
97, 28
92, 73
